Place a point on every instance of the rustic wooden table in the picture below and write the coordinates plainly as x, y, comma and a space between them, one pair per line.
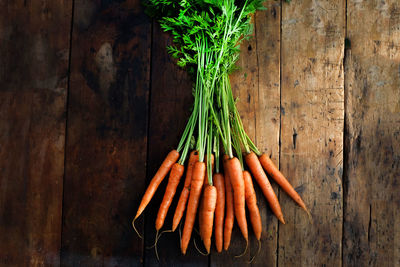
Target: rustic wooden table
90, 103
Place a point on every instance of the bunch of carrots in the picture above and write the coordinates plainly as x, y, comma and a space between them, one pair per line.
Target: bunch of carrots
207, 35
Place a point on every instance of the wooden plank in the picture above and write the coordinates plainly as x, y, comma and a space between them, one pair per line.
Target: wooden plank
171, 100
106, 134
312, 120
257, 87
33, 80
267, 118
372, 199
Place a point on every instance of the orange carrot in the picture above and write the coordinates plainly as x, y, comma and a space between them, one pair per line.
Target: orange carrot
236, 176
180, 208
262, 180
251, 202
165, 167
173, 181
229, 216
219, 210
274, 172
202, 206
195, 190
207, 214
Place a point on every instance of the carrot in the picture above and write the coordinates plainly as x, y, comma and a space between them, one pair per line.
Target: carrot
205, 184
274, 172
173, 181
195, 190
165, 167
180, 208
207, 214
262, 180
236, 176
229, 216
219, 210
251, 202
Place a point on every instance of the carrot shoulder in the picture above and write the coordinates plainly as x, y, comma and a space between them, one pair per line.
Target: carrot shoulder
173, 181
165, 167
262, 180
280, 179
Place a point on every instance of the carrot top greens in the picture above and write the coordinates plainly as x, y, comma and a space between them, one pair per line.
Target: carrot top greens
206, 40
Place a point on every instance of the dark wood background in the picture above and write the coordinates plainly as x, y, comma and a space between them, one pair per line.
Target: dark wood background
90, 103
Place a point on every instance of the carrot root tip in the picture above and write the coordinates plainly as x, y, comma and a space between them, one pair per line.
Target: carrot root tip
198, 250
155, 246
155, 243
309, 216
258, 251
245, 250
134, 227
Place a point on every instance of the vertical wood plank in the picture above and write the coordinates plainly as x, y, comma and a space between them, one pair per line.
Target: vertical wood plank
312, 120
267, 118
34, 53
106, 134
371, 215
171, 101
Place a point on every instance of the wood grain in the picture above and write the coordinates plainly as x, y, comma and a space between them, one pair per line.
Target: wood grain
372, 199
34, 51
106, 134
267, 119
312, 131
171, 100
33, 87
127, 106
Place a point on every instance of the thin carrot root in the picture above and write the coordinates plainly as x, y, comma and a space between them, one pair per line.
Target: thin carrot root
258, 251
197, 248
155, 247
309, 216
155, 243
245, 250
134, 227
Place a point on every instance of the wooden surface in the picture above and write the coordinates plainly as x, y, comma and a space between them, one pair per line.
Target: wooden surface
312, 131
372, 192
34, 59
90, 103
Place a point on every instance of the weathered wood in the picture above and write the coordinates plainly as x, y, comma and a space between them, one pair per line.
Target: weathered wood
171, 101
312, 100
106, 134
34, 52
372, 198
267, 118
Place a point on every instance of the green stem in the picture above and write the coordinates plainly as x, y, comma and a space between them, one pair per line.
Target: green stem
209, 162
